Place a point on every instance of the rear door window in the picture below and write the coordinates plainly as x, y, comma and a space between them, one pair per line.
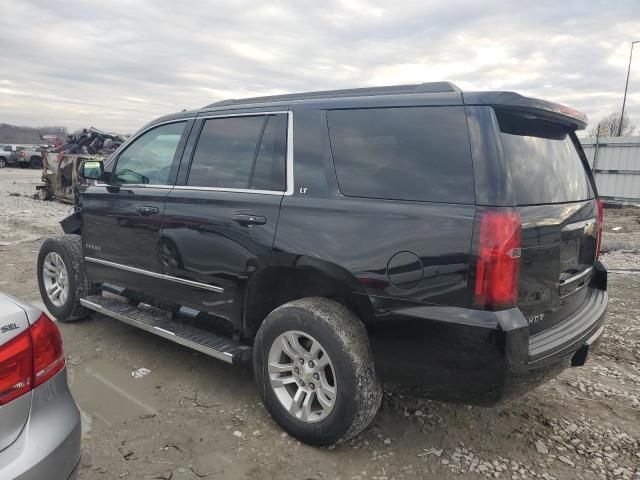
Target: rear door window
241, 153
270, 164
415, 153
543, 162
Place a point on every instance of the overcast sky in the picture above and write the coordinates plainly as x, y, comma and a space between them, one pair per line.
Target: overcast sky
117, 64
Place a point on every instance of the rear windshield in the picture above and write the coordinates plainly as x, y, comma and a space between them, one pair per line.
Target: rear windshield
544, 164
414, 153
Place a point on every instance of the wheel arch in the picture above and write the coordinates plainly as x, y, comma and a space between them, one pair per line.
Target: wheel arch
273, 286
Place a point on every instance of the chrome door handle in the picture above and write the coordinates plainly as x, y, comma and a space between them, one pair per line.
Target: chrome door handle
147, 211
246, 220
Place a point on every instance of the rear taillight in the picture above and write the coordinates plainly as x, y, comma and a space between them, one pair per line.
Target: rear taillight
498, 264
16, 372
600, 221
30, 359
48, 357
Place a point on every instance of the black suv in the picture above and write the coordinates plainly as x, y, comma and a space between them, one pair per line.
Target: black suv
442, 241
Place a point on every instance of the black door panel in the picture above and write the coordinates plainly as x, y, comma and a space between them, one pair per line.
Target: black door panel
202, 241
114, 230
219, 226
122, 214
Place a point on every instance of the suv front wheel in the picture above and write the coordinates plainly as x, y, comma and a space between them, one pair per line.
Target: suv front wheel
314, 370
62, 279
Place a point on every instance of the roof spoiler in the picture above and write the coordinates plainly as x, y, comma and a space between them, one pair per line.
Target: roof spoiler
551, 111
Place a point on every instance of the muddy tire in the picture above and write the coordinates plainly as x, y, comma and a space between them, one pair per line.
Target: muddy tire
62, 279
314, 370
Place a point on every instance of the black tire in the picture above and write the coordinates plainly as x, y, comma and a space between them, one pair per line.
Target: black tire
3, 162
344, 338
36, 163
69, 248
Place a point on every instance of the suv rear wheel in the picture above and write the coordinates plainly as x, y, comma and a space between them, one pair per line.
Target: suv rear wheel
3, 162
314, 370
62, 279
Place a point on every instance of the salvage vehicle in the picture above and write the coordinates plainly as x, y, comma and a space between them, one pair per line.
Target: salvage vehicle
60, 179
39, 421
442, 241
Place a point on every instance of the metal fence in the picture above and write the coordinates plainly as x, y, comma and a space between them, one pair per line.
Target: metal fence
615, 162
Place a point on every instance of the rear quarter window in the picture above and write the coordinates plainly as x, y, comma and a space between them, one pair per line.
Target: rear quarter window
414, 153
543, 162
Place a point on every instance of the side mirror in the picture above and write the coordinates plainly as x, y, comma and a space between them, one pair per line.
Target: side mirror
91, 169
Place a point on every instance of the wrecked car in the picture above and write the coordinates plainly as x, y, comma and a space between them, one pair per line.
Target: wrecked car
60, 179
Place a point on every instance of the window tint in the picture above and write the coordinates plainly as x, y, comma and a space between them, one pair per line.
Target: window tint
269, 172
148, 160
417, 153
227, 153
224, 153
544, 164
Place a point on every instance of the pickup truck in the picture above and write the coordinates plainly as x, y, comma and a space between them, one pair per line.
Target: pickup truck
20, 155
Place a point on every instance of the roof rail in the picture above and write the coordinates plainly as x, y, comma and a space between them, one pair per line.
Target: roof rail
431, 87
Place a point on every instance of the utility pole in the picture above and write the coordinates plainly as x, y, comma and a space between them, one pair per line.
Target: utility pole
626, 86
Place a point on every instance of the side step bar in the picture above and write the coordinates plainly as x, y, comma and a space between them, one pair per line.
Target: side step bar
156, 321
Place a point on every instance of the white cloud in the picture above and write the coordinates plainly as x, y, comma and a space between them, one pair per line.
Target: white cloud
117, 64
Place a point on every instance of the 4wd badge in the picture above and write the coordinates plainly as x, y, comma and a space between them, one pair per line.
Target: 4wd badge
535, 318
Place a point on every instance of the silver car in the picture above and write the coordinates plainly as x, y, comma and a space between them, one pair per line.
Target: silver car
39, 421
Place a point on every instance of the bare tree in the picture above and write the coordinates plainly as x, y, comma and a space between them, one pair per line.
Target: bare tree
608, 126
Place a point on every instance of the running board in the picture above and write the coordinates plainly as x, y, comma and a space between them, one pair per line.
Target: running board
157, 322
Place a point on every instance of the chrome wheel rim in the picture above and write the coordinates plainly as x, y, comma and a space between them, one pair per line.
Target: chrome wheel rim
56, 279
302, 376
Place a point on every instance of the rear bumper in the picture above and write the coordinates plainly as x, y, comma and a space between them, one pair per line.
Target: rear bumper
478, 357
49, 445
549, 352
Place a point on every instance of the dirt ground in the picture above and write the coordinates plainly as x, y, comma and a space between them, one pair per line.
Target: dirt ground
194, 417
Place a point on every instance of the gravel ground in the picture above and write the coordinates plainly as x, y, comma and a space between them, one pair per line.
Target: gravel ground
193, 417
621, 239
